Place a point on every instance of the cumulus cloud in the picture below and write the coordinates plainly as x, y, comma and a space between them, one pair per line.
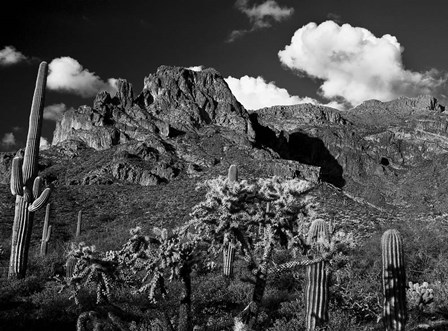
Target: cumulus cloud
255, 93
67, 74
354, 64
9, 140
44, 143
54, 112
260, 16
10, 55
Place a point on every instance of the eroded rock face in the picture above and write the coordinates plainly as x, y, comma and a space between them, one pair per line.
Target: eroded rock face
373, 151
189, 99
181, 120
174, 101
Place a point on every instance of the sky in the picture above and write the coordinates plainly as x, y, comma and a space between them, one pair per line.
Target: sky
271, 52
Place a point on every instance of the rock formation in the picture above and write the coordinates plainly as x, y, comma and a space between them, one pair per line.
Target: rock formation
188, 123
376, 151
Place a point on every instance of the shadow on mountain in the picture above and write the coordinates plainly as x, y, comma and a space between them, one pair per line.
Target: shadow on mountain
298, 146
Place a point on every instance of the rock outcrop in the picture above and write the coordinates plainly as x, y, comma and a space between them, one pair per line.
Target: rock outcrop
182, 122
174, 101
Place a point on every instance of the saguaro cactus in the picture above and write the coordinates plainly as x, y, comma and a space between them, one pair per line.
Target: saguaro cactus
25, 184
394, 281
316, 291
46, 232
229, 250
78, 224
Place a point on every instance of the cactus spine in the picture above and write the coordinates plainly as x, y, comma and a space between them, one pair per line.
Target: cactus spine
316, 290
46, 232
229, 249
78, 224
394, 281
25, 184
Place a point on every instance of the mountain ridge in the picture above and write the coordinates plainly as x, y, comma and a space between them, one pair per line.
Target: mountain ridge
186, 123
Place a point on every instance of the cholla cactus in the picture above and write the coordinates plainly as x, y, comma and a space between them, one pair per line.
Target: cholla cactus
26, 185
166, 256
419, 295
237, 210
92, 268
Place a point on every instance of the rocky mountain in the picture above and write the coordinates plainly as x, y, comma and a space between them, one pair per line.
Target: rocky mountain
185, 126
182, 123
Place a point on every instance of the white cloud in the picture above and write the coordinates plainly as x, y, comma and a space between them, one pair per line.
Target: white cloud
355, 64
9, 56
256, 93
260, 16
9, 140
54, 112
195, 68
67, 74
44, 144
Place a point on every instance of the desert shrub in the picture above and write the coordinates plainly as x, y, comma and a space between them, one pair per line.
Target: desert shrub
47, 266
14, 289
52, 305
291, 316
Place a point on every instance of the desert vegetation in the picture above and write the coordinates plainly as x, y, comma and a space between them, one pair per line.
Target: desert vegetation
252, 253
291, 270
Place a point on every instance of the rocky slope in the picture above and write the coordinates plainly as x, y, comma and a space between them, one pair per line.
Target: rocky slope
393, 154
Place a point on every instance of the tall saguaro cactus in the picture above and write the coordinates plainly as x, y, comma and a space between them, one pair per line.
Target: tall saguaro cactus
78, 224
26, 185
46, 232
316, 291
394, 281
229, 250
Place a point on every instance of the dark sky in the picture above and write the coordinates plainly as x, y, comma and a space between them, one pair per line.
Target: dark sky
130, 39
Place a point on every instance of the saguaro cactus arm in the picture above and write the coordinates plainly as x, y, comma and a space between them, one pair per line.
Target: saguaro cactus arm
40, 201
37, 187
16, 176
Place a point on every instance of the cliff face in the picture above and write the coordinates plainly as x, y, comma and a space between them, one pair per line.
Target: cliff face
376, 151
173, 101
182, 123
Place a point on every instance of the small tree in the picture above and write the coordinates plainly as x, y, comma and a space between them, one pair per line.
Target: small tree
243, 210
